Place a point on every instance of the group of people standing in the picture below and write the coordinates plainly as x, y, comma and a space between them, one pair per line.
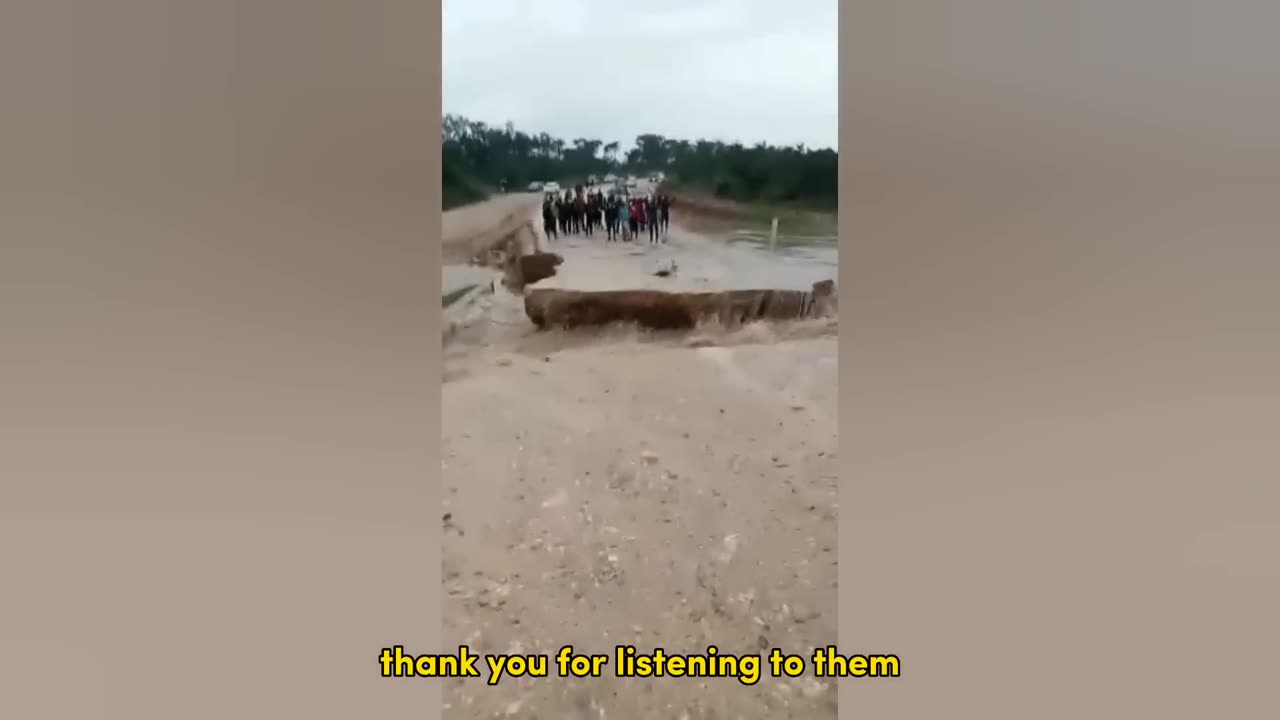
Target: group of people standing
579, 212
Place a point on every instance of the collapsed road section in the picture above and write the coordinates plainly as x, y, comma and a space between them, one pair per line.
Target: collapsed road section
663, 310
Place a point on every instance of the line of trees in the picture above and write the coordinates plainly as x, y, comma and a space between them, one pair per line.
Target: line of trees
459, 186
479, 153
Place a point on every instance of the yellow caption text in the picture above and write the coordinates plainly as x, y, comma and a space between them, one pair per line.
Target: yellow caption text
627, 661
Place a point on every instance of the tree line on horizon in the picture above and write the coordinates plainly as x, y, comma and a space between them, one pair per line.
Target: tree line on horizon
477, 156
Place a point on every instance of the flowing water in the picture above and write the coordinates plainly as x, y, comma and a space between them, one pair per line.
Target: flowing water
490, 320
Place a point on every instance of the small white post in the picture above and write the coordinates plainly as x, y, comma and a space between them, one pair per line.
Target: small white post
773, 235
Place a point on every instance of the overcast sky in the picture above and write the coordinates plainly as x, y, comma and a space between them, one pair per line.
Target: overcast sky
733, 70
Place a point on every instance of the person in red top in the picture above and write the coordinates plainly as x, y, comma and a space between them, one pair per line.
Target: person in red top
634, 220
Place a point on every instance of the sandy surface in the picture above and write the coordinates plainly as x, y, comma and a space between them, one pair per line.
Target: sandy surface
618, 488
467, 221
700, 264
462, 228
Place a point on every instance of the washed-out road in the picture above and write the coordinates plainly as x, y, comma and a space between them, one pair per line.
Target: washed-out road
616, 488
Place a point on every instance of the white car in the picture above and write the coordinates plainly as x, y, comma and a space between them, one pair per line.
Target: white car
551, 187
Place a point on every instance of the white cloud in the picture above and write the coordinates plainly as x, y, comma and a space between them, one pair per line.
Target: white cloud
734, 70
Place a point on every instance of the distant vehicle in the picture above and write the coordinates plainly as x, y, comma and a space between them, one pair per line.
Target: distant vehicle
610, 179
632, 181
551, 187
591, 179
535, 186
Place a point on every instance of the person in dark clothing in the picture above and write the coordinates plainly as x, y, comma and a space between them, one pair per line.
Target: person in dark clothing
651, 219
549, 219
588, 207
611, 218
562, 214
664, 205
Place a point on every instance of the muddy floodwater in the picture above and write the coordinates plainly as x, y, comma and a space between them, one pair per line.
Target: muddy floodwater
612, 487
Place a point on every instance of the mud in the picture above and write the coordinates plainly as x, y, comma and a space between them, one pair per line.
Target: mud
470, 232
617, 485
661, 310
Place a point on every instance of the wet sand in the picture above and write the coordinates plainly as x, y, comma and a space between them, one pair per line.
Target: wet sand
616, 487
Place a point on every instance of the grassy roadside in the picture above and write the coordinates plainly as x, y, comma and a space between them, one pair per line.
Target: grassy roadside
791, 221
458, 189
796, 225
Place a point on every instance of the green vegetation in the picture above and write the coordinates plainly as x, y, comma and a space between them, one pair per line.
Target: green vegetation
761, 238
790, 177
459, 186
794, 219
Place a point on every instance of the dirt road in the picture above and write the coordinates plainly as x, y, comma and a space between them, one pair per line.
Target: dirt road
613, 488
466, 228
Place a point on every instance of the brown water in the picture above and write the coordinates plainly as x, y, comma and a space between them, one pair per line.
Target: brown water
494, 323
